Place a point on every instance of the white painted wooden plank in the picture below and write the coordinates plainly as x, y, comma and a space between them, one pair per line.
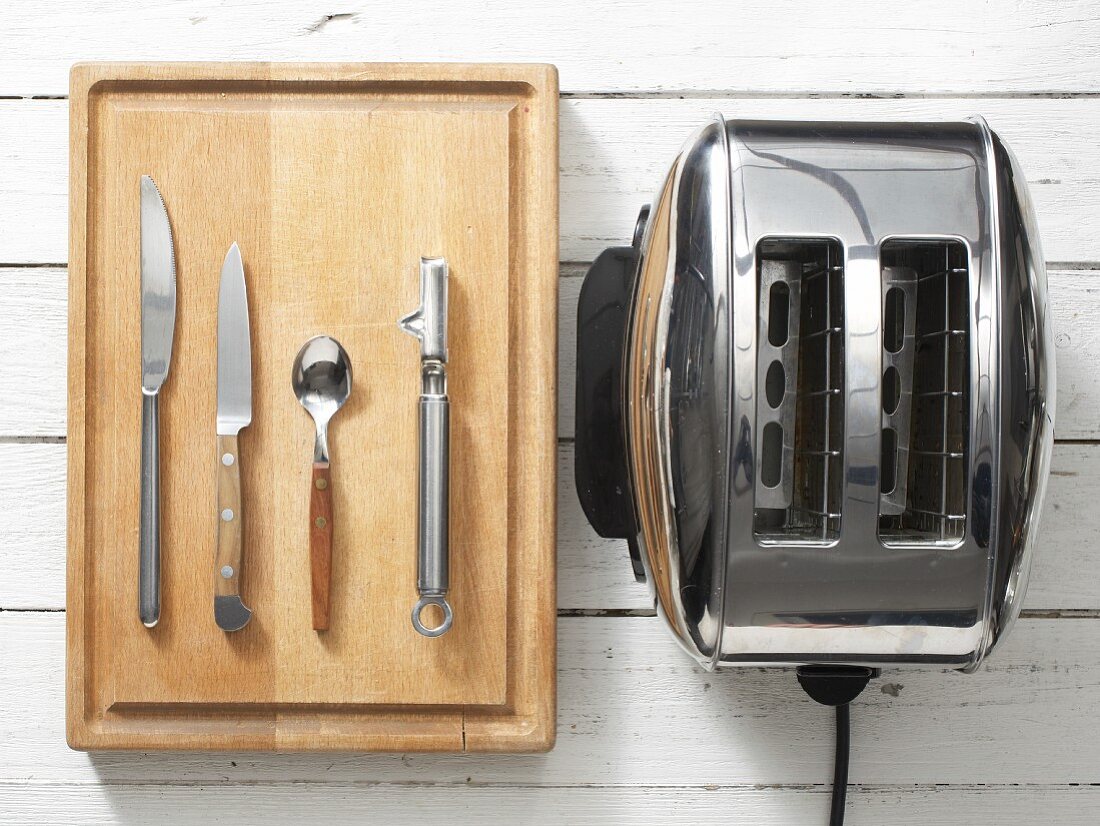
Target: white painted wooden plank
593, 573
356, 803
848, 46
634, 710
32, 524
34, 181
614, 155
32, 350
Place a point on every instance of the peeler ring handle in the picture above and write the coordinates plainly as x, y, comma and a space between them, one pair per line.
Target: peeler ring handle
443, 627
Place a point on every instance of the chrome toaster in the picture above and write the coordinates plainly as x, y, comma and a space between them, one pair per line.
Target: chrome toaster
816, 394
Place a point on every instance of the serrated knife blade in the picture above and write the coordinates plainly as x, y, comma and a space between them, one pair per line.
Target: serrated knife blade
158, 327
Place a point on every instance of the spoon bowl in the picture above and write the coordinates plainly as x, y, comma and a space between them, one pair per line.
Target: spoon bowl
321, 379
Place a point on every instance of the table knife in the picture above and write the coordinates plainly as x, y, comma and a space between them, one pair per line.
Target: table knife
234, 414
158, 324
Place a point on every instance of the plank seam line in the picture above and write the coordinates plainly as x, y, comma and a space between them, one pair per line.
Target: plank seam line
562, 441
648, 613
1060, 613
1076, 266
473, 784
748, 94
1084, 266
32, 610
606, 612
804, 94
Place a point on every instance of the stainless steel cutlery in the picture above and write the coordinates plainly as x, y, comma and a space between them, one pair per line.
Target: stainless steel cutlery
429, 324
234, 414
158, 324
321, 379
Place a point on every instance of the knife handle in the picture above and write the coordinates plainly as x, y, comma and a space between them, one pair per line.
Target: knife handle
149, 533
320, 544
227, 559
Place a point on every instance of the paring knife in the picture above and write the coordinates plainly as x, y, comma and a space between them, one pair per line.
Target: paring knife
234, 413
158, 325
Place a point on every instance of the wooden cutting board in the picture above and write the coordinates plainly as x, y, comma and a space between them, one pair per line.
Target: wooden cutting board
334, 179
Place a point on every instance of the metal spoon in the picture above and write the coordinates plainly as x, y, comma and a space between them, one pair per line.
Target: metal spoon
321, 379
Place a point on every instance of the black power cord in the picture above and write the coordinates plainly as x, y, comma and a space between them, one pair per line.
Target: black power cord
840, 764
837, 686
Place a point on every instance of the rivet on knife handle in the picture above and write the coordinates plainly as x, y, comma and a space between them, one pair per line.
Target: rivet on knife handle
429, 324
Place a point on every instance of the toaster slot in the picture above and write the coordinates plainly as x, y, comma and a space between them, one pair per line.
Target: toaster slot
799, 400
925, 392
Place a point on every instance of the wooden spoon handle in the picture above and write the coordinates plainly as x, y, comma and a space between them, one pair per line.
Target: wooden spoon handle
320, 544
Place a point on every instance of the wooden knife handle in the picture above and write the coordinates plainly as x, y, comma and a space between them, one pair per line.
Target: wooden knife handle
227, 559
320, 544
